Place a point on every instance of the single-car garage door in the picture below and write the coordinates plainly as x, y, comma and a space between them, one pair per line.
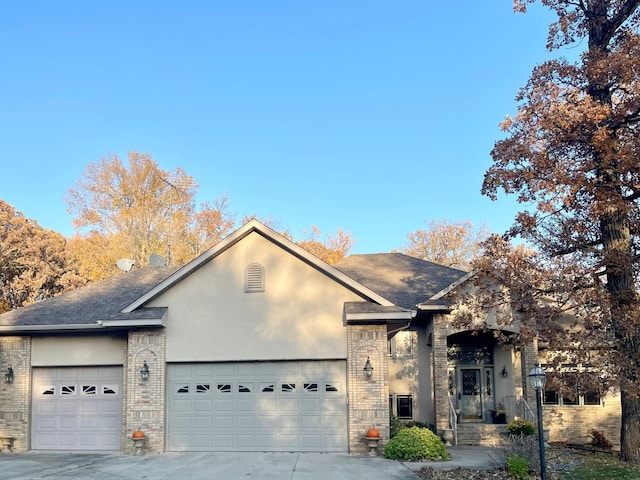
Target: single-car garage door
257, 406
77, 408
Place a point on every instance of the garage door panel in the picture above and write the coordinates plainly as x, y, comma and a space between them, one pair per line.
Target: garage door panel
77, 408
265, 406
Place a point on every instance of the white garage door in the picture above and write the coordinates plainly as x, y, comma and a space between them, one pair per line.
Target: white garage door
257, 406
77, 408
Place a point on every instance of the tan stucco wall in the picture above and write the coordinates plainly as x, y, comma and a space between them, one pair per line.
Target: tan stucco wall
298, 316
77, 351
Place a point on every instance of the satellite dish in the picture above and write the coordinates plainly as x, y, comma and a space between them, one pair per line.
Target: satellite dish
125, 264
156, 260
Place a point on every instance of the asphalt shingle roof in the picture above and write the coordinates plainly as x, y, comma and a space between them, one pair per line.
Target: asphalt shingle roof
95, 302
404, 280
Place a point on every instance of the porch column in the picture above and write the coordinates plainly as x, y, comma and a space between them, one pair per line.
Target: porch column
440, 372
528, 358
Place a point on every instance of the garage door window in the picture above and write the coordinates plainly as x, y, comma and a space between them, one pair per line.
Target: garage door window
288, 387
88, 389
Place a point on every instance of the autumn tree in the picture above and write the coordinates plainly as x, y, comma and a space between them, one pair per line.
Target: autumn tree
33, 261
332, 250
571, 154
452, 244
143, 210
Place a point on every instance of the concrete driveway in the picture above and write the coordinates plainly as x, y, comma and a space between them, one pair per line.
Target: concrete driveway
194, 466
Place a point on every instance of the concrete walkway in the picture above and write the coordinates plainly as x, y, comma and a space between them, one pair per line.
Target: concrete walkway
226, 466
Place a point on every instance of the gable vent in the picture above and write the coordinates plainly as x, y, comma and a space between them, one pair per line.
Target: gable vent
255, 278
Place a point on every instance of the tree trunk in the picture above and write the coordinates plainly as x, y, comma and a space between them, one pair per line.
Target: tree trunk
630, 429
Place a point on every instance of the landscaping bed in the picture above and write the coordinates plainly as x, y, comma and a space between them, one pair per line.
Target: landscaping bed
563, 463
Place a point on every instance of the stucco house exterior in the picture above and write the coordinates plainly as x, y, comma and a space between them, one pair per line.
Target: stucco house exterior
257, 345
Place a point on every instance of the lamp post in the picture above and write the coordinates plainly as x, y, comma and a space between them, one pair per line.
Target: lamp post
538, 379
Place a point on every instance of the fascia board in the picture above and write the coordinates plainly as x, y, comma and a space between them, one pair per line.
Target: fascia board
380, 316
451, 287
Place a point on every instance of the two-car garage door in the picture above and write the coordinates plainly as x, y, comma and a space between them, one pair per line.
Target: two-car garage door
257, 406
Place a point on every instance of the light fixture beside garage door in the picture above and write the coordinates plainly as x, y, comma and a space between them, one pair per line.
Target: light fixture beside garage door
368, 368
9, 375
144, 371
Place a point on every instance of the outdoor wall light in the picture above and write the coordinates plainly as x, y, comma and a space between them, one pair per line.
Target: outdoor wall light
9, 375
144, 371
368, 369
505, 374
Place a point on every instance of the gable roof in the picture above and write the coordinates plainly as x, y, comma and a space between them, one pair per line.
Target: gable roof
96, 305
406, 281
254, 226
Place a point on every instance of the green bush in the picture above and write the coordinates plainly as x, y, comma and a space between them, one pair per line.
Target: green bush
518, 467
520, 427
415, 444
395, 426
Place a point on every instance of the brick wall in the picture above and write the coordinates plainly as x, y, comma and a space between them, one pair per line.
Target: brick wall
368, 397
573, 423
440, 372
15, 400
144, 407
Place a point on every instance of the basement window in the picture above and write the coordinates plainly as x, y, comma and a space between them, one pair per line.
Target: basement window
401, 406
254, 281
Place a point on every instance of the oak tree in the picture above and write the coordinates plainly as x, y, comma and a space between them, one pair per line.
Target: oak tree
452, 244
143, 210
33, 261
571, 155
332, 250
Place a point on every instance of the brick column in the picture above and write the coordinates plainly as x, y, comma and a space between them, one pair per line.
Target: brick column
15, 398
368, 397
145, 400
440, 372
528, 358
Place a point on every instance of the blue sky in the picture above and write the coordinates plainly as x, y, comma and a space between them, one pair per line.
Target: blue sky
374, 117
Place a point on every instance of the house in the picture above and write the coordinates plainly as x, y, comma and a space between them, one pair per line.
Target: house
257, 345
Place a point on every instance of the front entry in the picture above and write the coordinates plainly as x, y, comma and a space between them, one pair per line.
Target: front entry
473, 390
470, 398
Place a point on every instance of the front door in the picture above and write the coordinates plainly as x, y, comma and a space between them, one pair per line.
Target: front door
470, 389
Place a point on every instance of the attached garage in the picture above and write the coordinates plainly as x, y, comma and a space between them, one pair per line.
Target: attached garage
257, 406
77, 408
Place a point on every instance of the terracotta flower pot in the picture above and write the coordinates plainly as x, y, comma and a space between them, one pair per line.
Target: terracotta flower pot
373, 433
137, 434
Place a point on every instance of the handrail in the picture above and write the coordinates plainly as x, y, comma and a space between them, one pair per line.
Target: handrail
528, 411
453, 421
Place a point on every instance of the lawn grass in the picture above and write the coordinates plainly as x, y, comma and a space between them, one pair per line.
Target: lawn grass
604, 467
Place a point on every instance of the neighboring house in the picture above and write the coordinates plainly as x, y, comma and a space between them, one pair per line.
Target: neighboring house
257, 345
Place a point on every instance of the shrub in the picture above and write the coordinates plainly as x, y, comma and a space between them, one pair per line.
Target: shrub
415, 444
523, 446
598, 440
518, 467
521, 427
395, 426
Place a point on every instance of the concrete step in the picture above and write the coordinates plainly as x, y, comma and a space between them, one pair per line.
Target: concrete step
484, 434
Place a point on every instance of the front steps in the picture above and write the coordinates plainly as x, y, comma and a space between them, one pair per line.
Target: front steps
483, 434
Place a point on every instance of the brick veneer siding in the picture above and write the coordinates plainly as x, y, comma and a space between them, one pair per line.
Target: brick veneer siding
15, 399
368, 397
440, 372
573, 423
145, 400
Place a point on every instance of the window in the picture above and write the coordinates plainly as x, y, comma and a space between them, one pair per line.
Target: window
88, 389
401, 406
68, 390
203, 388
403, 345
581, 387
254, 278
288, 387
224, 388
